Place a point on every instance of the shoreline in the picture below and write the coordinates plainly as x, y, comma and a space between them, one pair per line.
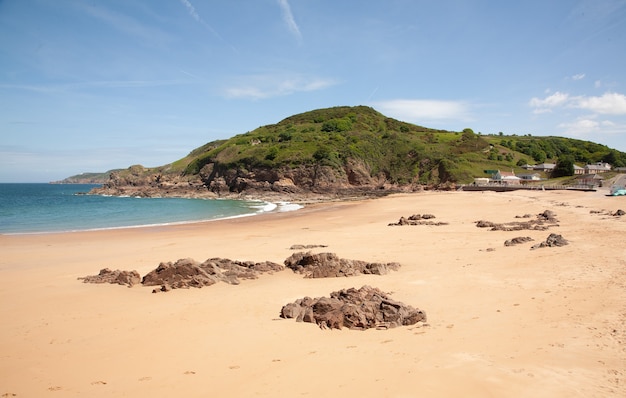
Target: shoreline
254, 207
503, 321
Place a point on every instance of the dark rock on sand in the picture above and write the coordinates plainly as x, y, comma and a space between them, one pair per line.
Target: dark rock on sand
553, 240
352, 308
126, 278
329, 265
418, 219
186, 273
182, 274
542, 222
518, 240
619, 213
304, 247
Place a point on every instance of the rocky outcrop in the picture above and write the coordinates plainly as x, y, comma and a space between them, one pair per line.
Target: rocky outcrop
542, 222
182, 274
137, 181
125, 278
302, 182
418, 219
186, 273
553, 240
352, 308
329, 265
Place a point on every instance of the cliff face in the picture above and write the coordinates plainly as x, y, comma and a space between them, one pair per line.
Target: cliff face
213, 181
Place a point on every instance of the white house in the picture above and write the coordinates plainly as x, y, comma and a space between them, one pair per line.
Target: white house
506, 177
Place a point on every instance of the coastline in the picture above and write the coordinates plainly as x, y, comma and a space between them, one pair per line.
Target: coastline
32, 208
505, 321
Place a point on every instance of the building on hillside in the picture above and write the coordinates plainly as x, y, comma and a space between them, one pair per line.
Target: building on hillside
506, 177
481, 181
591, 180
529, 177
545, 167
597, 168
579, 170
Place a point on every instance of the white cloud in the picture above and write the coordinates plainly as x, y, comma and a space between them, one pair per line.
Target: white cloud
418, 110
608, 104
579, 76
268, 86
288, 18
590, 127
546, 104
580, 127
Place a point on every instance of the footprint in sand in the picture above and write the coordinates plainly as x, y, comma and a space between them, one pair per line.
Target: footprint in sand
190, 372
233, 367
145, 378
99, 382
54, 388
9, 394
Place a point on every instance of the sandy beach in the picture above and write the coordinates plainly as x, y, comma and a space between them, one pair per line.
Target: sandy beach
502, 321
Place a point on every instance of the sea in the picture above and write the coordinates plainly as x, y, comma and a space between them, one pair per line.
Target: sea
41, 208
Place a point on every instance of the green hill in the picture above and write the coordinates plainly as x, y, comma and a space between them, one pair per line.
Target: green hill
355, 147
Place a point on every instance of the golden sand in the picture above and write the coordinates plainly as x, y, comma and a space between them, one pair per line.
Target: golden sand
502, 321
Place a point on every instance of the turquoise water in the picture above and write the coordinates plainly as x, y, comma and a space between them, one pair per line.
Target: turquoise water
32, 208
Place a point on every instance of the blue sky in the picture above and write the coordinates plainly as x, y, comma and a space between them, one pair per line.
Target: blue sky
96, 85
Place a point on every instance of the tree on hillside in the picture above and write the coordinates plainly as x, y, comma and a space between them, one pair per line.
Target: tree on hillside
564, 167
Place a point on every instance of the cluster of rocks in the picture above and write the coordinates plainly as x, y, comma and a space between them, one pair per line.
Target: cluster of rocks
617, 213
186, 273
418, 219
553, 240
517, 240
352, 308
329, 265
542, 222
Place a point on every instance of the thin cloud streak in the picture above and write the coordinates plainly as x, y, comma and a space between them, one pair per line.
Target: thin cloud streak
194, 14
289, 19
270, 86
126, 24
191, 9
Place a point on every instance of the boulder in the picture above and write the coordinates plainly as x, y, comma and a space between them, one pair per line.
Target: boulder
352, 308
517, 240
553, 240
126, 278
182, 274
329, 265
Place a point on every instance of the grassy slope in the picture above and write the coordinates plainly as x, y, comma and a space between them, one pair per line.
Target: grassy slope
401, 151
